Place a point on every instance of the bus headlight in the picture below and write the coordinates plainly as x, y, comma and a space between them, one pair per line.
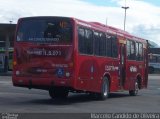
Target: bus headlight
67, 74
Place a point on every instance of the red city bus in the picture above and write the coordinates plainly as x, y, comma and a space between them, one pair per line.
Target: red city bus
63, 55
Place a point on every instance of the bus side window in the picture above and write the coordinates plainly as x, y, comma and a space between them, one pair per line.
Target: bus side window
102, 44
96, 43
114, 47
128, 49
85, 41
81, 40
131, 51
109, 46
139, 51
132, 55
89, 41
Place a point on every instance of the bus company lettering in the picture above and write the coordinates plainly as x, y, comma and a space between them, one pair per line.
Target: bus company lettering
44, 52
111, 68
60, 65
45, 39
133, 69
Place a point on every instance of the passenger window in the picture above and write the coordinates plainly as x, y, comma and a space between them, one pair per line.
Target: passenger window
96, 43
139, 51
102, 44
131, 51
85, 41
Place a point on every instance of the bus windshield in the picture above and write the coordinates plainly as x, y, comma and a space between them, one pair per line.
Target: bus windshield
48, 30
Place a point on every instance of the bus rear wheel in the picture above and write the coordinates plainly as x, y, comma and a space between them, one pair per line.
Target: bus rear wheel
135, 91
104, 89
59, 92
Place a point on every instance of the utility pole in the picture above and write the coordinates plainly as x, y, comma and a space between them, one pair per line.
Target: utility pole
125, 10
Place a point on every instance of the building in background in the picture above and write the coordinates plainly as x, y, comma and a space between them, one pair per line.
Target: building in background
6, 46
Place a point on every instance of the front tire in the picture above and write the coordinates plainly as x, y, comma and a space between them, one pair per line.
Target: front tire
135, 91
104, 89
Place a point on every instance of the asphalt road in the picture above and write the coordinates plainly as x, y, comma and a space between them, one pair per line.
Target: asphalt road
22, 100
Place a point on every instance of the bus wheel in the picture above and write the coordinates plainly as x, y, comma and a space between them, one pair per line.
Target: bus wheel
135, 91
58, 93
104, 89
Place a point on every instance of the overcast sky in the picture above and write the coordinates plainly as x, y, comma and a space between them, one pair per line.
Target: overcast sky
143, 16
